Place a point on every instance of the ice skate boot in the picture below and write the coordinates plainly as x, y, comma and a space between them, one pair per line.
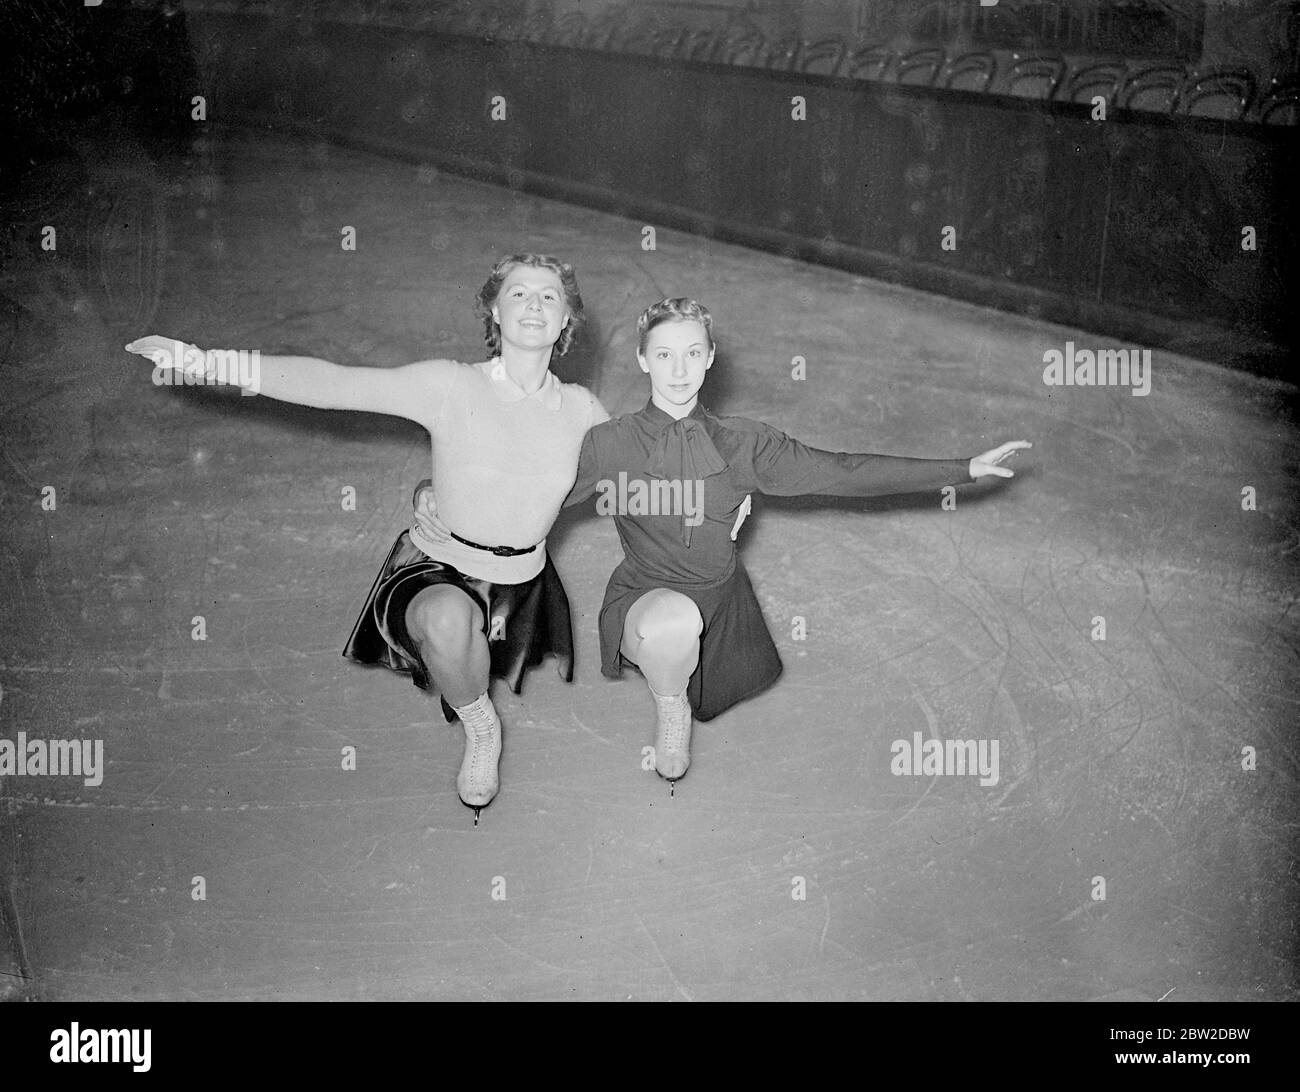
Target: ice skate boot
673, 735
478, 780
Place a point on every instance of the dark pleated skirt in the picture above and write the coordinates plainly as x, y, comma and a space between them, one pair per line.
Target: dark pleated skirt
523, 622
737, 655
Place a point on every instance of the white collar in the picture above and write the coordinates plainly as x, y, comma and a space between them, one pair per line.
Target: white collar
505, 388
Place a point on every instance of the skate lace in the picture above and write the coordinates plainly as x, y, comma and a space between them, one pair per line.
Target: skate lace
674, 724
480, 759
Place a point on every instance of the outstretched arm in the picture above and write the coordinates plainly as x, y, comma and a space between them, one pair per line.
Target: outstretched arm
411, 391
988, 464
785, 467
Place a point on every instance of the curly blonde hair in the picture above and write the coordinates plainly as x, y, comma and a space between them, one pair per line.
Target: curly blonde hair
680, 309
487, 297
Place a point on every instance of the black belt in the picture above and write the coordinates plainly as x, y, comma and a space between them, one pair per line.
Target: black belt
500, 551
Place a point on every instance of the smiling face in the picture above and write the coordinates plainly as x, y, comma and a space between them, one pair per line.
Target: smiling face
676, 356
530, 309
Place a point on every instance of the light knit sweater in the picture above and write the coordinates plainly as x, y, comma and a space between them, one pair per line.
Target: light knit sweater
503, 460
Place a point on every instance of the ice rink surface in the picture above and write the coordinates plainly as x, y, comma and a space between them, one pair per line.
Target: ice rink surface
1121, 760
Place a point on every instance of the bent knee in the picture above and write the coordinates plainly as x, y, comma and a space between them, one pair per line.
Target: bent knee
671, 616
443, 616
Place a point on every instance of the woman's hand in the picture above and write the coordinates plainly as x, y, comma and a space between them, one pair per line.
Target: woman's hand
426, 516
170, 353
988, 463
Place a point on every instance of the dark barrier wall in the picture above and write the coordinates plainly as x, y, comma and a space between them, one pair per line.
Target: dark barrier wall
1131, 227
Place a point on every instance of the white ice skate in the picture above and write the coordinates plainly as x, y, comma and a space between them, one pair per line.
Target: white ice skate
673, 736
478, 780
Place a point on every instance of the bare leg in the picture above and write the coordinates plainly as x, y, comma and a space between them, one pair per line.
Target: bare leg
661, 635
446, 625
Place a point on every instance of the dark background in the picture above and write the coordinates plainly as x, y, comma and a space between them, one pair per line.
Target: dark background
919, 116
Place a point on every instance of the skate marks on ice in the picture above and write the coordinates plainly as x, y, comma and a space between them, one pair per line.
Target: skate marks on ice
1118, 758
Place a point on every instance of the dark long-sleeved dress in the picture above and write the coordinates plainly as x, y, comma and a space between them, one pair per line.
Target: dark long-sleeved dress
679, 536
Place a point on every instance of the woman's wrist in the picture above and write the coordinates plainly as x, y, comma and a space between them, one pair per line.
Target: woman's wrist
236, 368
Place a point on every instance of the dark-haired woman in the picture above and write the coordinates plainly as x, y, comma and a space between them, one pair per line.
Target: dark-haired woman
506, 433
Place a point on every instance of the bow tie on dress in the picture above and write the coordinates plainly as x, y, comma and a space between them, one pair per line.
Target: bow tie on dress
684, 453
